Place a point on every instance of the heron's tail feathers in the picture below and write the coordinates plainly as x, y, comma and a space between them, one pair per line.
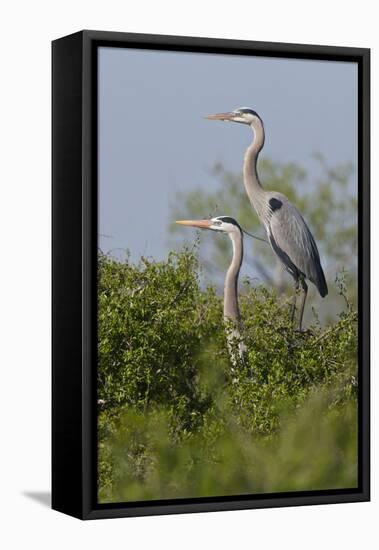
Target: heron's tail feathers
320, 282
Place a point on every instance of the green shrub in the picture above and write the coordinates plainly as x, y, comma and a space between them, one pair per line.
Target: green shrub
153, 321
316, 449
177, 419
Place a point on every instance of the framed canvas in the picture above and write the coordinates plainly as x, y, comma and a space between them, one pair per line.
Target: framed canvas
221, 362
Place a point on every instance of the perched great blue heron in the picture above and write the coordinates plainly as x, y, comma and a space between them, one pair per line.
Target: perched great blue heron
231, 227
287, 231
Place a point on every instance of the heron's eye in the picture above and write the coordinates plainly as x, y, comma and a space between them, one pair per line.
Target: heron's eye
217, 222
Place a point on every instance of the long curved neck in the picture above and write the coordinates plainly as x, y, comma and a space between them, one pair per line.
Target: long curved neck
231, 309
254, 190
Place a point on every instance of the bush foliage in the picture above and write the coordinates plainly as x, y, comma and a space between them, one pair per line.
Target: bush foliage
177, 419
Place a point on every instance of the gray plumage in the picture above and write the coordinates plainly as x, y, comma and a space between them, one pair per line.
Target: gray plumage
287, 231
293, 242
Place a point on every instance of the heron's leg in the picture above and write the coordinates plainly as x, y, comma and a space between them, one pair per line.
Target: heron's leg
293, 307
303, 298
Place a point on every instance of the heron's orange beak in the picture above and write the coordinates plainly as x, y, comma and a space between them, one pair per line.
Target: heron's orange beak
203, 224
221, 116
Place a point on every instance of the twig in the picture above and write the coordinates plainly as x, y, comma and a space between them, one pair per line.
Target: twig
351, 317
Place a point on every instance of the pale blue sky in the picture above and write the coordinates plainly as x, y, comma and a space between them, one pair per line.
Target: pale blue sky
154, 141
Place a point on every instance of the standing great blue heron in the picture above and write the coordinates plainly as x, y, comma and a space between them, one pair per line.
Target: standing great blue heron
287, 231
232, 228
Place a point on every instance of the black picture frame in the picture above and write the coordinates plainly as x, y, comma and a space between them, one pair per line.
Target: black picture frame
74, 204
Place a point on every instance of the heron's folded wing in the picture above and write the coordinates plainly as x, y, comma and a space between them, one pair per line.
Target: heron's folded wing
292, 236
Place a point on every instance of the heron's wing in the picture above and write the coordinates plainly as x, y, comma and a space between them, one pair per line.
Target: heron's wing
293, 242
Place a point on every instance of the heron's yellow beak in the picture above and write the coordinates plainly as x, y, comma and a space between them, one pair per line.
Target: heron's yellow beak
221, 116
203, 224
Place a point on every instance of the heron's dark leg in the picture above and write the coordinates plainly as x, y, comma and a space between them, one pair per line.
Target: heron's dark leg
293, 307
303, 298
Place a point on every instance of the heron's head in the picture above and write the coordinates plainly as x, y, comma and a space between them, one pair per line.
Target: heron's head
225, 224
243, 115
